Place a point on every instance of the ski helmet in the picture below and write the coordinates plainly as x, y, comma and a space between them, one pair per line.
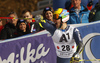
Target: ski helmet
61, 13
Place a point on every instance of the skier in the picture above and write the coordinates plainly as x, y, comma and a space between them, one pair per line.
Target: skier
65, 37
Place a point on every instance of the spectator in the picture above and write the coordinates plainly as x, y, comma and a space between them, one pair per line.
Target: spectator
79, 13
33, 26
22, 28
68, 5
48, 14
95, 13
10, 28
1, 25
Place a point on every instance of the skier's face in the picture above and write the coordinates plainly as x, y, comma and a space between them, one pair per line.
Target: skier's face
57, 22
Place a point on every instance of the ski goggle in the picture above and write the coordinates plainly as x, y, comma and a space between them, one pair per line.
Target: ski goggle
56, 16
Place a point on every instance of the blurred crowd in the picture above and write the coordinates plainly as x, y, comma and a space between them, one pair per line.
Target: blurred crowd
19, 27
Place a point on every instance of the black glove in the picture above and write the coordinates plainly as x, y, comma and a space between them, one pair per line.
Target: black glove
90, 3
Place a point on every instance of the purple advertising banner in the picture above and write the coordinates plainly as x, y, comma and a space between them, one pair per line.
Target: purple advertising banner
34, 49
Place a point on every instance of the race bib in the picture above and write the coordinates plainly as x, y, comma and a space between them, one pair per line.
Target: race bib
65, 50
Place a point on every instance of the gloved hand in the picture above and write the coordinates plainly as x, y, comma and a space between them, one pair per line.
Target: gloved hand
90, 3
75, 57
38, 18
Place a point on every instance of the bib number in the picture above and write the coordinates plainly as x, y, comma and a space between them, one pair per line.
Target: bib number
65, 48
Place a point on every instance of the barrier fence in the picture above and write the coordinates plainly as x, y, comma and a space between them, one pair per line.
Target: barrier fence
39, 47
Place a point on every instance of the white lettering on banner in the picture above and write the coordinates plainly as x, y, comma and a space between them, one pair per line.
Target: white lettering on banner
87, 40
10, 59
29, 55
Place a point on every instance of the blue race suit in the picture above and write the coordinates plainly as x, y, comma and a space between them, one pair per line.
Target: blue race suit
59, 42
